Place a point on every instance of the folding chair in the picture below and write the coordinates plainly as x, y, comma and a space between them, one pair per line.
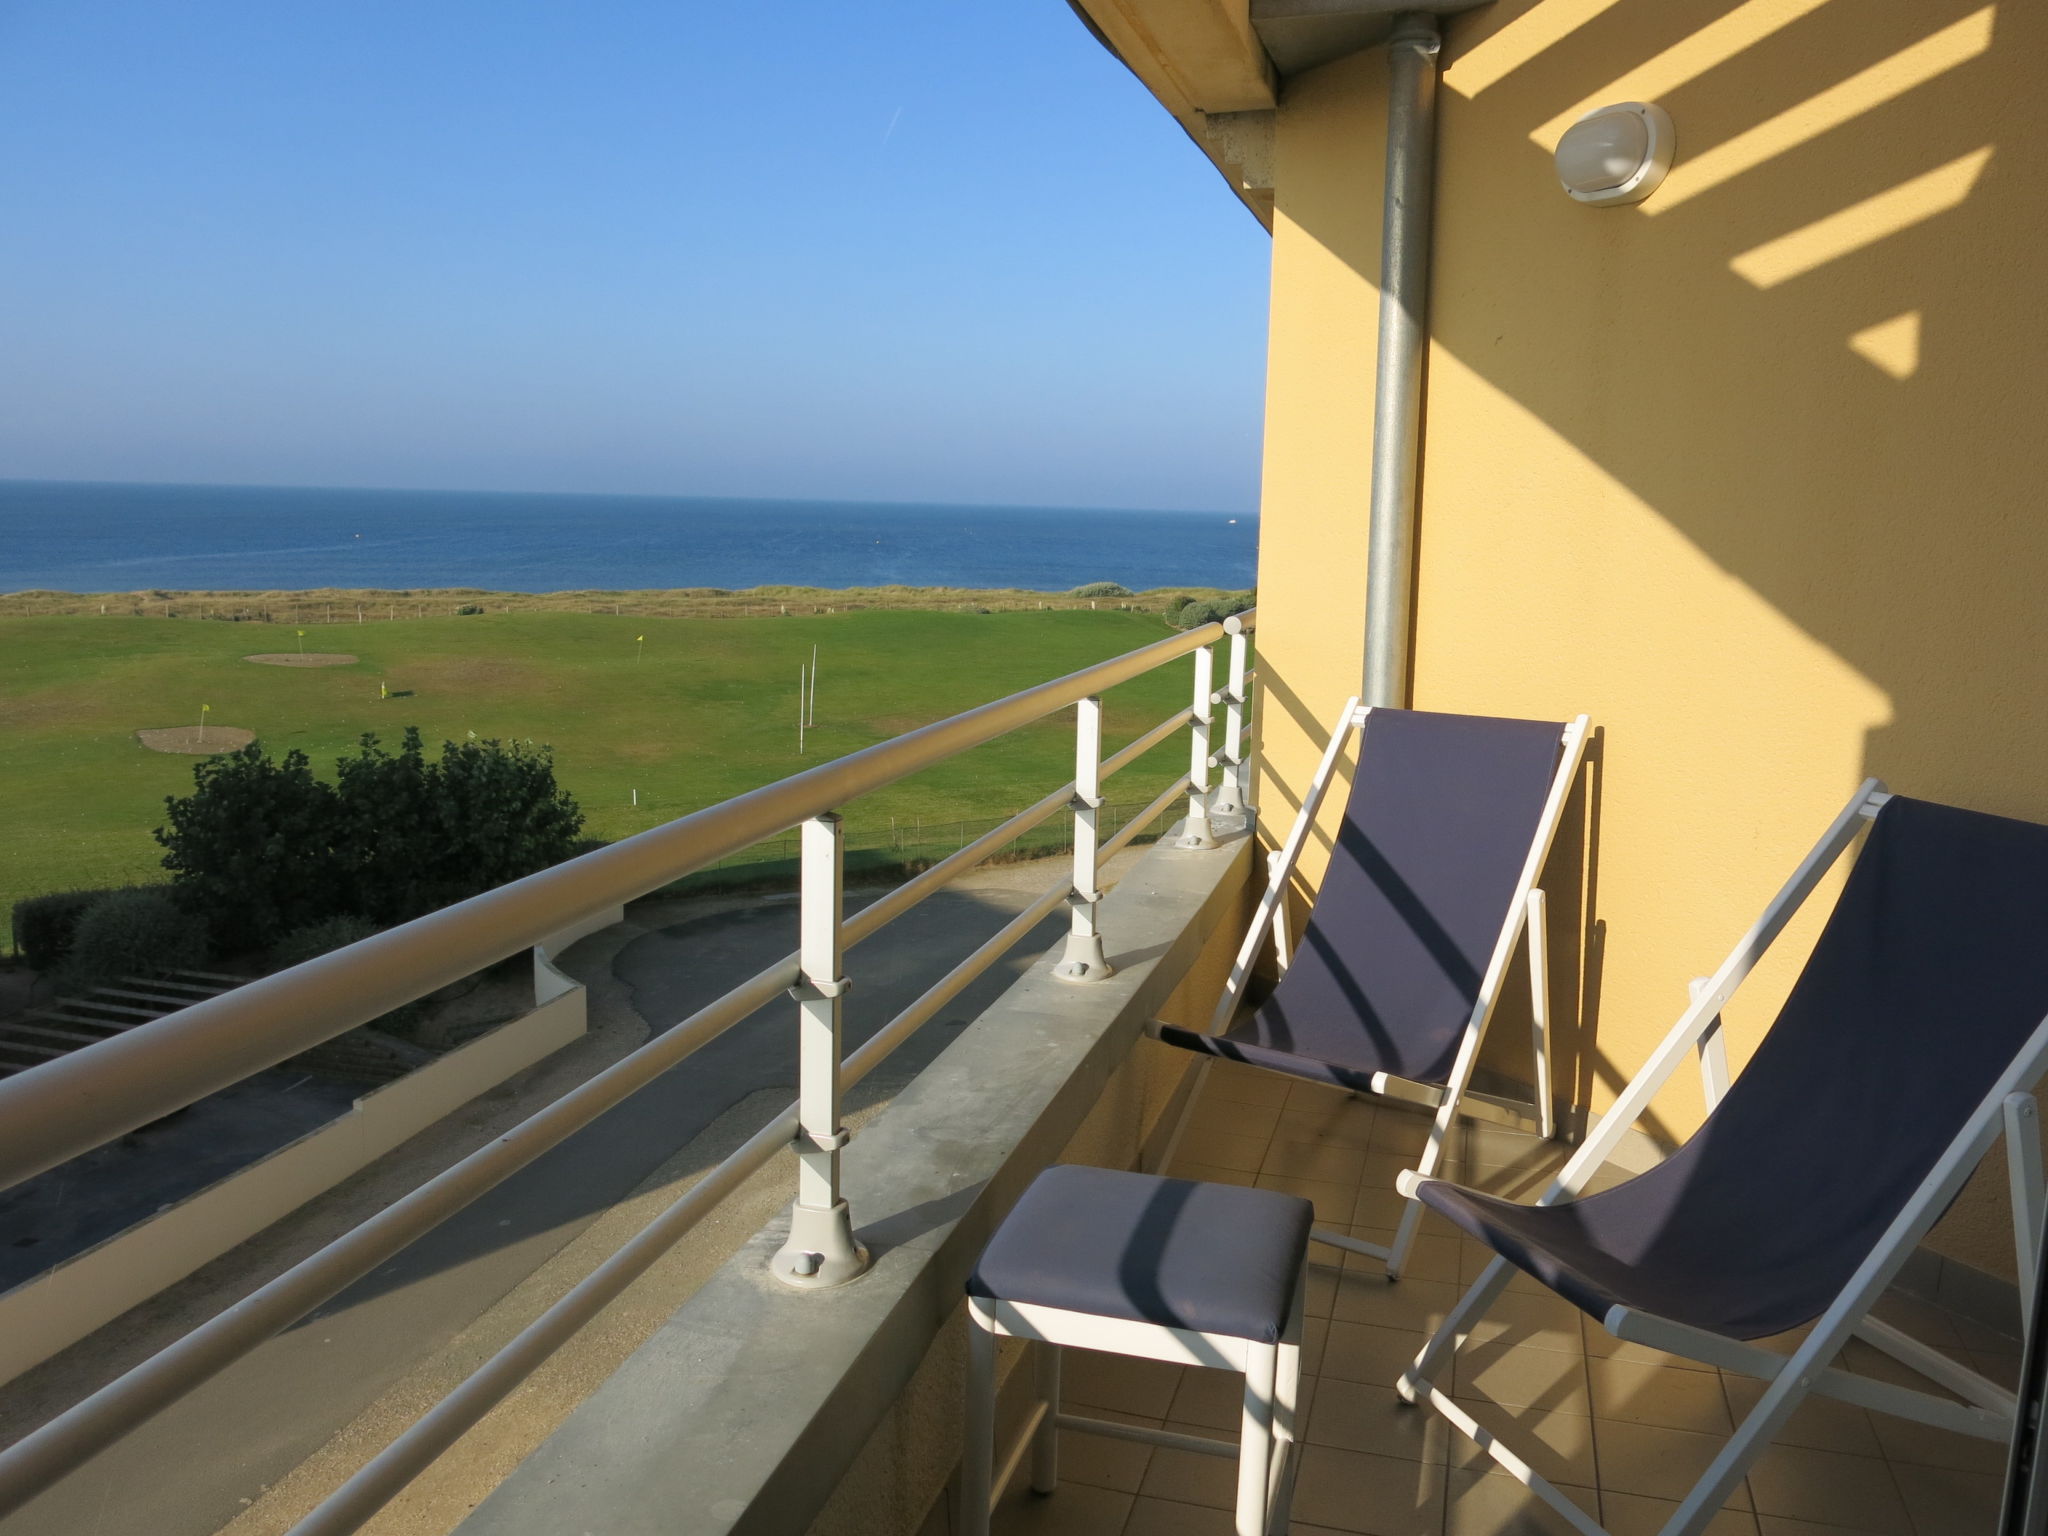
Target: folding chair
1431, 885
1903, 1052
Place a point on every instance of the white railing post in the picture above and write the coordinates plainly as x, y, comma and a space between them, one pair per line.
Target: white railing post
1195, 831
1085, 960
1234, 792
821, 1250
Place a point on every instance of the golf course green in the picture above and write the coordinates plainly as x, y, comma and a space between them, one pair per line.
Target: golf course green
699, 710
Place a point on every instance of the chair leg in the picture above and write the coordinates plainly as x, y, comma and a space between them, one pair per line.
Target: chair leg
977, 1458
1539, 1010
1256, 1443
1045, 1440
1286, 1399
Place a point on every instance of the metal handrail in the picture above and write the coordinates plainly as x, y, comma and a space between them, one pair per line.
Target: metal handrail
55, 1449
385, 1475
77, 1102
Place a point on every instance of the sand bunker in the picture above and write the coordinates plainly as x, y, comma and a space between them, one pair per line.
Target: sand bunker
194, 740
303, 659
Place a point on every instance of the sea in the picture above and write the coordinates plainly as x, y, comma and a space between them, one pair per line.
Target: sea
75, 536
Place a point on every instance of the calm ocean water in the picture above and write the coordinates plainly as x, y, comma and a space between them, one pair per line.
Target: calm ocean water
79, 537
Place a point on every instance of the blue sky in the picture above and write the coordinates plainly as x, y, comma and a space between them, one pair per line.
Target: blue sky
930, 250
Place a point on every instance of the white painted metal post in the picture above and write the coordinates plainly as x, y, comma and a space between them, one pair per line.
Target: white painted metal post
1195, 831
2023, 1173
821, 1250
1084, 960
1235, 789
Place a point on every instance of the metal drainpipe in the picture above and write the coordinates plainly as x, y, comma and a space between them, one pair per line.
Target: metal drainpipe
1404, 331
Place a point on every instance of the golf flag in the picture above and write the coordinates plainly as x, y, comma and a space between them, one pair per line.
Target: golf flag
641, 638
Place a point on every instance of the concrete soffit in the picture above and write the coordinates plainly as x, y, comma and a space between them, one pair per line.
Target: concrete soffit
1219, 66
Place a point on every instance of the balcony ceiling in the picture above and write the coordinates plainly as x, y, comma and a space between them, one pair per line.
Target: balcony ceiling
1302, 34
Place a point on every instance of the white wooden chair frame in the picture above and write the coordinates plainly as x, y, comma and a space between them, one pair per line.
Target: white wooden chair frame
1266, 1463
1527, 916
1987, 1410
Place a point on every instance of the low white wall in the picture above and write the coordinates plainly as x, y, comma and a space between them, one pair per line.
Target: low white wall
64, 1304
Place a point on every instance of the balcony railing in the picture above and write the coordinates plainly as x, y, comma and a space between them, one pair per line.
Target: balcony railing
67, 1107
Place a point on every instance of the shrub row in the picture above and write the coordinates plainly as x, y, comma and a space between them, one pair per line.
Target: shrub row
86, 938
1188, 613
263, 848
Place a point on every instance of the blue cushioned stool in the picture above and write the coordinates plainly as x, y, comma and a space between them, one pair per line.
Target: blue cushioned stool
1164, 1269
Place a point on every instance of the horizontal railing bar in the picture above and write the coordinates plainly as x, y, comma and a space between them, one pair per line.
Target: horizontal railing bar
379, 1480
886, 909
82, 1100
41, 1458
386, 1474
1124, 756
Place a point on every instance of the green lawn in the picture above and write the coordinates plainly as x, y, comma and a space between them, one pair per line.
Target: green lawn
708, 712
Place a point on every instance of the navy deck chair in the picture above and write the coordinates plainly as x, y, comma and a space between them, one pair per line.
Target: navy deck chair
1904, 1051
1430, 887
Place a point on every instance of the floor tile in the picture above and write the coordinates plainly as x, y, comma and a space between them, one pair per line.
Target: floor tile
1548, 1380
1377, 1495
1245, 1085
1822, 1423
1213, 1399
1659, 1463
1491, 1503
1144, 1388
1369, 1353
1922, 1445
1828, 1486
1405, 1303
1657, 1394
1431, 1255
1332, 1198
1944, 1502
1209, 1173
1258, 1120
1599, 1344
1075, 1510
1313, 1160
1778, 1525
1558, 1446
1630, 1514
1102, 1461
1189, 1476
1225, 1149
1536, 1319
1165, 1517
1344, 1124
1368, 1416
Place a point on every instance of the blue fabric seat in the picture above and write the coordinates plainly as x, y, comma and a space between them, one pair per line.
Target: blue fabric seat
1925, 984
1211, 1258
1442, 812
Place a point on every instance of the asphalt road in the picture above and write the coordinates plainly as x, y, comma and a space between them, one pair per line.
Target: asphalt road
197, 1465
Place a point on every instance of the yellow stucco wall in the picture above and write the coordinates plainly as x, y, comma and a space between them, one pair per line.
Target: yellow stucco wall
1753, 473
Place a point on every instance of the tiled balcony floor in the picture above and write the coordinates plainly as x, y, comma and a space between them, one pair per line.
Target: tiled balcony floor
1625, 1429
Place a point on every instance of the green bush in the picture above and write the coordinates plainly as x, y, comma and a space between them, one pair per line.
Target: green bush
415, 835
44, 926
264, 849
1174, 604
317, 939
468, 608
1101, 589
1197, 614
252, 847
132, 931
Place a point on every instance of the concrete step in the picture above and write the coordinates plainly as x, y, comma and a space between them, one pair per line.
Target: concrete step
93, 1003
